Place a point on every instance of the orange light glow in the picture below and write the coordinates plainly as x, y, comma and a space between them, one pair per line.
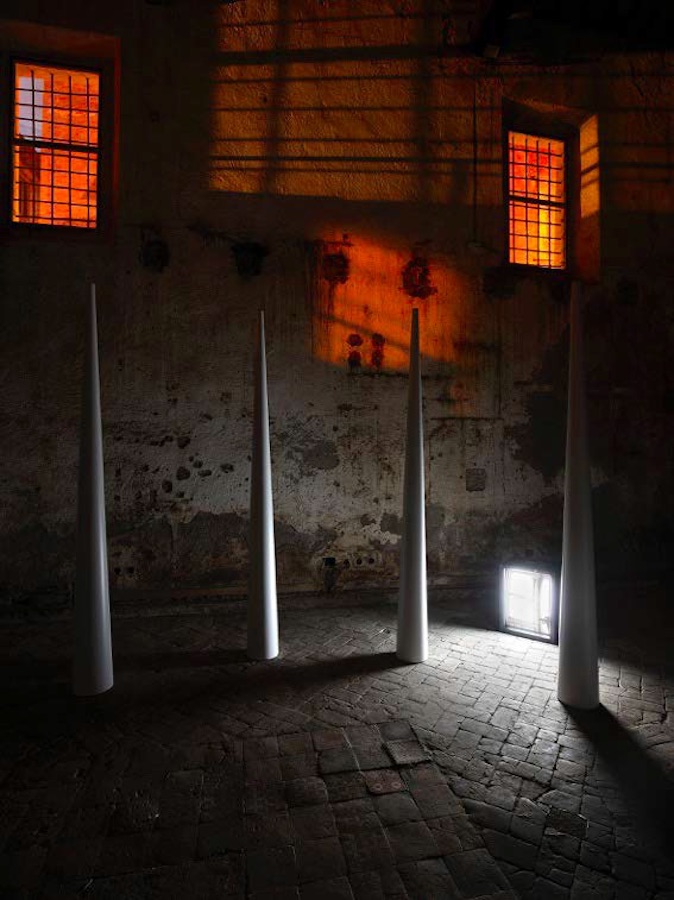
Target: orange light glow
362, 316
536, 207
589, 168
55, 156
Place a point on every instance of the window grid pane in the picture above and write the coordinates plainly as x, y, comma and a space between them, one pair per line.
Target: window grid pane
537, 195
528, 602
55, 146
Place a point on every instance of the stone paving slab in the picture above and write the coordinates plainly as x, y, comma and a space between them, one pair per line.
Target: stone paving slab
334, 769
289, 837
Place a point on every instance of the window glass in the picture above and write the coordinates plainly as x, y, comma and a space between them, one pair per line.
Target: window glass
55, 146
528, 602
536, 201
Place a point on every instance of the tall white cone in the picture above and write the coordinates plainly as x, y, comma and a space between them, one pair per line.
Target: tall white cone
578, 681
262, 603
412, 643
92, 665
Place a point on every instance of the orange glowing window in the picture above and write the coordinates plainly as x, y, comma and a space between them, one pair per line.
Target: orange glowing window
536, 201
55, 146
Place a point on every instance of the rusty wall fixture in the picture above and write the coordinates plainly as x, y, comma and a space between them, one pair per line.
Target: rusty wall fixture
249, 257
154, 253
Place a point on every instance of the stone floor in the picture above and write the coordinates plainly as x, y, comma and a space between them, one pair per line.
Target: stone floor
334, 771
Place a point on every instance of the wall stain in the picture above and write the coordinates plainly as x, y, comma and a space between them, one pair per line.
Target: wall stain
219, 543
416, 277
354, 360
154, 254
541, 441
377, 356
392, 523
319, 456
295, 548
335, 267
330, 261
480, 346
249, 257
532, 533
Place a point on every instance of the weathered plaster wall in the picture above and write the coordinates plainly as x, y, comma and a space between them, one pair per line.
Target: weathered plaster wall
319, 162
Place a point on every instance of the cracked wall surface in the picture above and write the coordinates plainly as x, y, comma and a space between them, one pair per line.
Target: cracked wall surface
336, 168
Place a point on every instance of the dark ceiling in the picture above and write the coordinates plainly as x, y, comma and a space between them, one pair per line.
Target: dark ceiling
564, 30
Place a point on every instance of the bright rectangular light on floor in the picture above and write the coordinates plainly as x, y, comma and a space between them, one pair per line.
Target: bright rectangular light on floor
528, 603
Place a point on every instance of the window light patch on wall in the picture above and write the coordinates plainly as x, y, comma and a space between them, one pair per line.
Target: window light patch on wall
536, 201
528, 603
55, 146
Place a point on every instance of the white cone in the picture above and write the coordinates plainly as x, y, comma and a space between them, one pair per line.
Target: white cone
578, 681
412, 643
92, 665
262, 604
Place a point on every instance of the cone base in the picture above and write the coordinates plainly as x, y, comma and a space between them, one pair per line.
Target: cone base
261, 655
83, 690
411, 657
585, 708
576, 702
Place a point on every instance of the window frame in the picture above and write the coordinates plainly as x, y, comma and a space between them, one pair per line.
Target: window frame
540, 570
564, 205
107, 150
547, 126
